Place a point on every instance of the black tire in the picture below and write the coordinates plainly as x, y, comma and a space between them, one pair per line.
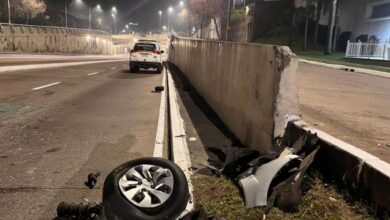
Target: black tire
159, 69
117, 207
131, 67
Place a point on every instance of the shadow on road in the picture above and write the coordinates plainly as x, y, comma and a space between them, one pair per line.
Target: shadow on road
126, 74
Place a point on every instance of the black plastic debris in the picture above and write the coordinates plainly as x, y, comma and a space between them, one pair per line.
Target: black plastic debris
230, 161
283, 189
92, 180
79, 211
159, 89
287, 195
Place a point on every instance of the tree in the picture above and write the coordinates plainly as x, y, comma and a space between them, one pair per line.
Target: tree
206, 10
318, 18
331, 22
187, 18
28, 8
306, 9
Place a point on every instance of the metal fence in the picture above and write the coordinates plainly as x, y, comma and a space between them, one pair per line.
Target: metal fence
359, 50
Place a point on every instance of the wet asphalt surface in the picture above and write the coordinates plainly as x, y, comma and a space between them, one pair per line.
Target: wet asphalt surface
52, 138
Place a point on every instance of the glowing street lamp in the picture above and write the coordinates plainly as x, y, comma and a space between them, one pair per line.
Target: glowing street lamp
170, 10
114, 11
159, 24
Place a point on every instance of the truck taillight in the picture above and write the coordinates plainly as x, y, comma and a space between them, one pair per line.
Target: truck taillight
133, 51
157, 52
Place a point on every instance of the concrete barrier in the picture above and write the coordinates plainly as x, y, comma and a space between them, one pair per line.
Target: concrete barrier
251, 87
41, 39
365, 175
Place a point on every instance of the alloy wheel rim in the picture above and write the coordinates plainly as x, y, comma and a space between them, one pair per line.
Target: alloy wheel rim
147, 186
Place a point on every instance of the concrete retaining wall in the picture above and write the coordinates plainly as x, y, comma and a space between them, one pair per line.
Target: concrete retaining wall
37, 39
251, 87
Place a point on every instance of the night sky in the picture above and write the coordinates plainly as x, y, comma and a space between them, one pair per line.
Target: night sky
143, 12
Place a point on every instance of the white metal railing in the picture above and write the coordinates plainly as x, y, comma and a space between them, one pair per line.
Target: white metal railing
378, 51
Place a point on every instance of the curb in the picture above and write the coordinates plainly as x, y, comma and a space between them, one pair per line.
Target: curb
365, 175
179, 148
342, 67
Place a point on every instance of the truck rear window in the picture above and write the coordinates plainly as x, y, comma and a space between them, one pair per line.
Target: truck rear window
145, 47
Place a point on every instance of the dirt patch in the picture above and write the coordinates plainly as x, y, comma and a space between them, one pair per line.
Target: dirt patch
222, 199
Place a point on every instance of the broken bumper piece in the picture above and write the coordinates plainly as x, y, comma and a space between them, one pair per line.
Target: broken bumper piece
255, 187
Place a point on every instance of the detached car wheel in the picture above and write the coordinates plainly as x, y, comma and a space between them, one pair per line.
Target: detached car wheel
146, 188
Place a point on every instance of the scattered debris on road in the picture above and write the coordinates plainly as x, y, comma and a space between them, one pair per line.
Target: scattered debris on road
92, 180
159, 89
79, 211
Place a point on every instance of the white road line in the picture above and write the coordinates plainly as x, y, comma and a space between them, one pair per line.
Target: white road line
91, 74
180, 152
113, 68
45, 86
159, 144
52, 65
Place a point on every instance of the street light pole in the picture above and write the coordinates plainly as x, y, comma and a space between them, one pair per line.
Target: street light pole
66, 13
90, 18
170, 9
114, 12
113, 15
9, 13
159, 24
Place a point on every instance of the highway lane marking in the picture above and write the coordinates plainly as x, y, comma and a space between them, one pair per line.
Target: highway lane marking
94, 73
45, 86
159, 144
53, 65
113, 68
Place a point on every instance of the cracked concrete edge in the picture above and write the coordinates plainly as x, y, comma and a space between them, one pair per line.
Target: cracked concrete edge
362, 172
342, 67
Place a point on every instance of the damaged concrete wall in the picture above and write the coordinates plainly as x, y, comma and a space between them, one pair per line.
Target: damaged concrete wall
36, 39
251, 87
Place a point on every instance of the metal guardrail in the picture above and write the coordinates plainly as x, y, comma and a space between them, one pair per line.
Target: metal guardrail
45, 29
359, 50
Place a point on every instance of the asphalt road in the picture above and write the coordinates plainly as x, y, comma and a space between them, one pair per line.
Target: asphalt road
95, 117
351, 106
52, 138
